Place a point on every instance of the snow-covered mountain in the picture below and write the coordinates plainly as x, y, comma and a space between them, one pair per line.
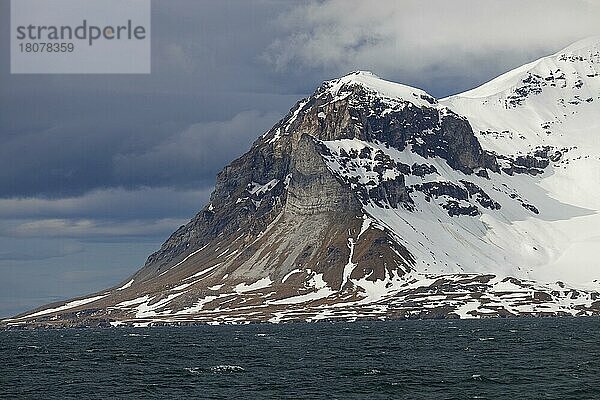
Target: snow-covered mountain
372, 199
554, 103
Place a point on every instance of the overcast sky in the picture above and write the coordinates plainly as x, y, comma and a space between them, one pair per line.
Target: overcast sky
97, 170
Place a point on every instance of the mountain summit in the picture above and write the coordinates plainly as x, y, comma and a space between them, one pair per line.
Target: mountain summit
372, 199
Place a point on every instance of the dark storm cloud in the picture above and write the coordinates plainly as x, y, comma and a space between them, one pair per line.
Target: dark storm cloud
65, 135
194, 154
78, 156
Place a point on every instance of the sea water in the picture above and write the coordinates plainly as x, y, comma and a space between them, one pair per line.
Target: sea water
554, 358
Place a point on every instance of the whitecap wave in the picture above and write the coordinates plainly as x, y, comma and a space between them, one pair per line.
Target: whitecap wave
226, 368
215, 369
373, 372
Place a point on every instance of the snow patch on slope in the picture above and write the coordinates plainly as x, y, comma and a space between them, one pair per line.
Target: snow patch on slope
71, 304
259, 284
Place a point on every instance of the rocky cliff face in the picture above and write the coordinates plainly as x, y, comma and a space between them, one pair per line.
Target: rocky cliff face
370, 199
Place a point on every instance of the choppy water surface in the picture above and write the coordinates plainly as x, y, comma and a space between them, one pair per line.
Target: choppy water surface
488, 359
